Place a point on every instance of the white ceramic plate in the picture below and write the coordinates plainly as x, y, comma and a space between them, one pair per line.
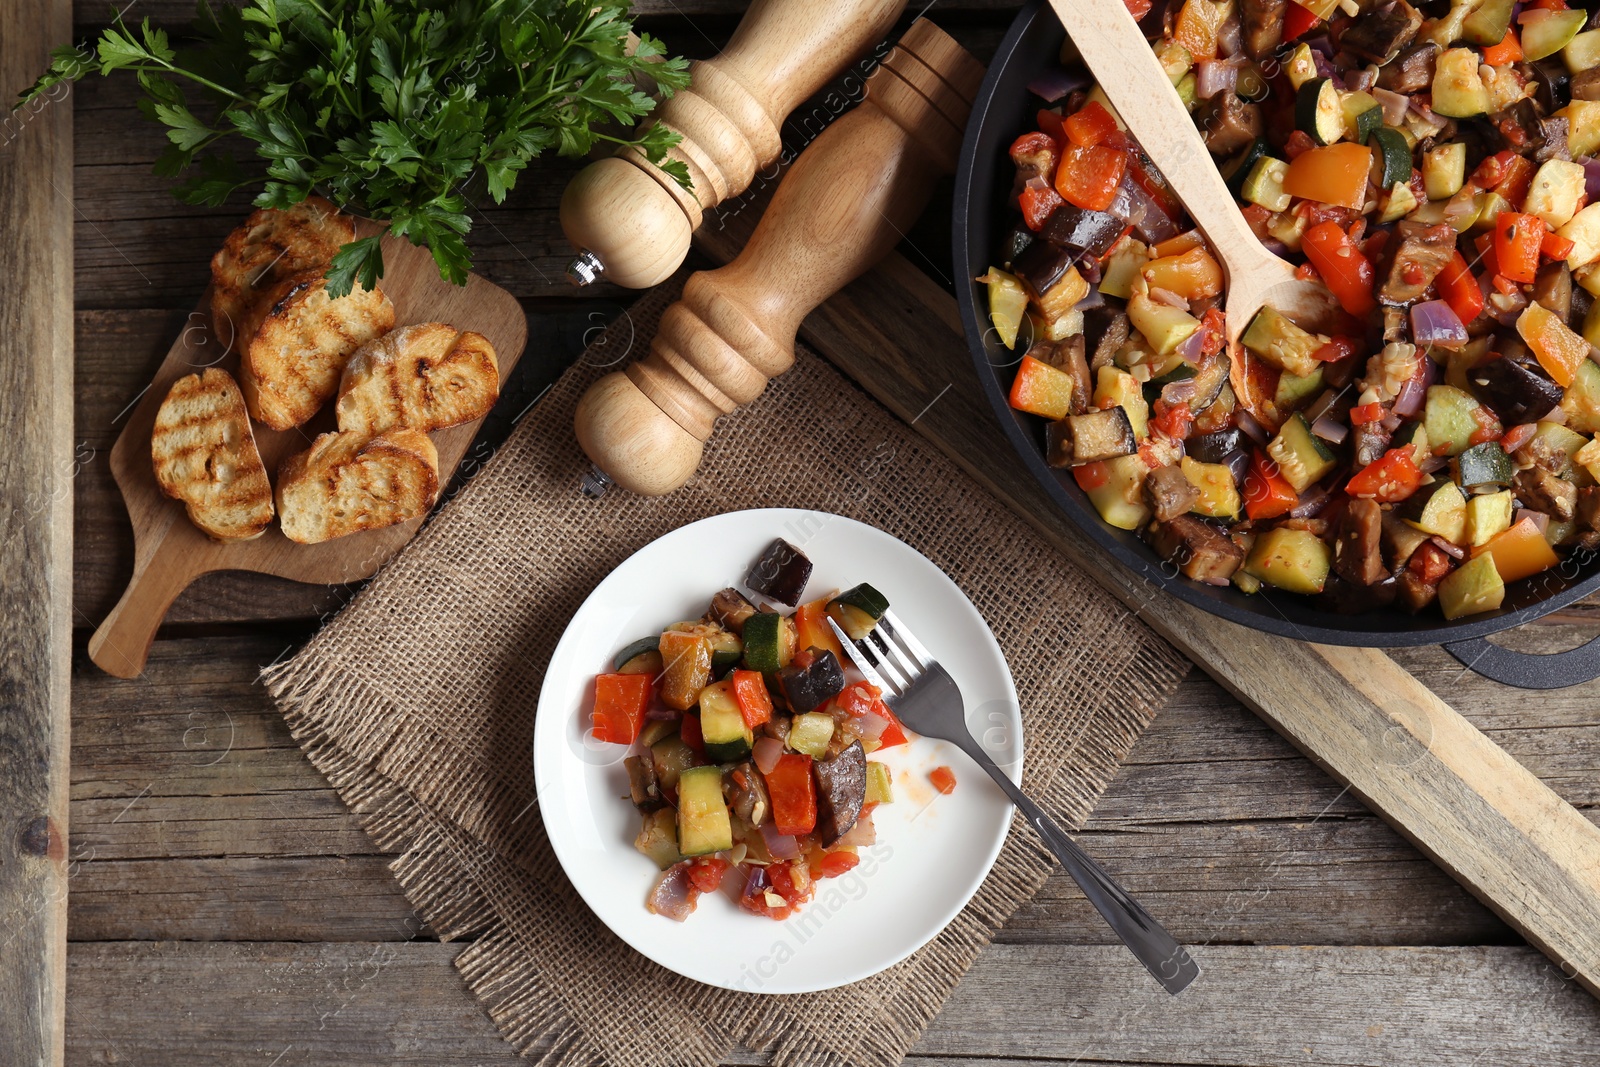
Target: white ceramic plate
933, 851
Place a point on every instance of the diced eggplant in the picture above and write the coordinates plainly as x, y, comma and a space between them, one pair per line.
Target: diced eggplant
1523, 128
1587, 517
1548, 79
1263, 26
1107, 329
1358, 554
1169, 493
1412, 593
747, 794
1369, 442
1411, 71
808, 688
1230, 124
1586, 84
643, 788
1379, 35
1070, 356
1517, 392
1216, 447
1546, 492
1016, 242
1079, 439
1554, 131
1042, 265
841, 791
730, 609
1552, 288
1423, 251
1199, 550
1344, 597
1082, 231
781, 573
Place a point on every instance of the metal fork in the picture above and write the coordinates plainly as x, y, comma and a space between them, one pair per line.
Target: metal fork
926, 698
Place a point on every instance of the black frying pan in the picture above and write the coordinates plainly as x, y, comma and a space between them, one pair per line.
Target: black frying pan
1003, 111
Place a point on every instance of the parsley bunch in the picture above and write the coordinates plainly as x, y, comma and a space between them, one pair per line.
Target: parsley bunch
389, 108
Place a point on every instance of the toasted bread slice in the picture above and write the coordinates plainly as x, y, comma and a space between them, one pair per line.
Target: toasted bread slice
266, 248
300, 340
205, 456
349, 482
423, 377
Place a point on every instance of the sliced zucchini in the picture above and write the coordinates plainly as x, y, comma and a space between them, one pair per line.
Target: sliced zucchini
655, 729
1483, 464
1295, 389
1443, 514
1219, 493
1555, 193
1582, 52
726, 648
1458, 89
703, 823
641, 657
1123, 268
1490, 206
1293, 560
1120, 499
727, 738
1581, 399
1264, 185
1175, 59
1282, 343
880, 786
1393, 158
1583, 127
1362, 115
1489, 23
1302, 459
857, 610
658, 838
1301, 66
1319, 112
1236, 170
1488, 514
1451, 417
1549, 32
1165, 327
811, 732
1444, 170
1473, 587
1115, 387
1398, 202
1553, 439
769, 640
1008, 303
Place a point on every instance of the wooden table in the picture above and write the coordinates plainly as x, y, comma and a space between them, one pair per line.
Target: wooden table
225, 908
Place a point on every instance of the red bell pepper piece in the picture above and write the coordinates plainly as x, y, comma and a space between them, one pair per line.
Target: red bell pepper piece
793, 794
1509, 50
1347, 272
1555, 246
689, 731
1038, 201
1267, 494
1547, 5
1362, 414
943, 779
1088, 176
1390, 478
1090, 125
856, 700
1517, 238
750, 693
1336, 349
1297, 20
833, 864
620, 701
1458, 288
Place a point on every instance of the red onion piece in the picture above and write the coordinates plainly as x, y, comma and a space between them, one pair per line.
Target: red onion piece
1394, 105
1452, 550
766, 753
1277, 248
1239, 463
1591, 179
1506, 308
756, 881
1169, 298
871, 726
780, 846
1058, 84
1230, 35
662, 713
1409, 400
1139, 209
862, 834
1192, 347
672, 895
1540, 519
1313, 500
1524, 432
1360, 80
1213, 76
1435, 323
1433, 463
1095, 299
1557, 415
1330, 429
1178, 392
1251, 427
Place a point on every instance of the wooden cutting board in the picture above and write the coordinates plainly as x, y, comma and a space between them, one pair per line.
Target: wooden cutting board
170, 552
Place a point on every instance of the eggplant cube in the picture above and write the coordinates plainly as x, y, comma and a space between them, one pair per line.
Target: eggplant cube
808, 688
1079, 439
781, 573
841, 792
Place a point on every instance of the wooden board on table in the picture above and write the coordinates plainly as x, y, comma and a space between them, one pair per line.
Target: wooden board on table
36, 470
170, 552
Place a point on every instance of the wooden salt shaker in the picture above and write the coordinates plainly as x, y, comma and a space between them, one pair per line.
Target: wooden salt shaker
842, 207
630, 220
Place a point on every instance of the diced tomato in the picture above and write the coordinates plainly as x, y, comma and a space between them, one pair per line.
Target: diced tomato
1297, 20
1555, 246
791, 881
1518, 436
750, 693
1493, 170
1430, 562
1215, 326
1038, 201
1362, 414
793, 794
1174, 420
833, 864
1297, 144
1509, 50
1503, 284
1489, 428
1336, 349
1458, 288
689, 730
1088, 176
1267, 494
1041, 389
620, 701
1038, 151
1347, 272
943, 779
705, 872
1091, 475
1392, 477
1519, 175
858, 699
1547, 5
1257, 217
1517, 238
1138, 9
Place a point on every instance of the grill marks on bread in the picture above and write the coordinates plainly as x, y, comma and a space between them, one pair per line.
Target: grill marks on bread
266, 248
424, 377
205, 455
348, 482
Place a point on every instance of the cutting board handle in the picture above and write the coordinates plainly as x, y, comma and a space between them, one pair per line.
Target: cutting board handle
122, 643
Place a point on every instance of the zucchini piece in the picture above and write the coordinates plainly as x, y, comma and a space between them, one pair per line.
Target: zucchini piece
658, 838
727, 738
1188, 90
1581, 399
1219, 494
1489, 23
1583, 127
1443, 514
1236, 170
1123, 268
1302, 459
1587, 459
1582, 52
1162, 325
781, 573
1557, 190
1483, 464
1488, 514
857, 610
1362, 115
1008, 303
880, 785
1458, 90
703, 823
1319, 112
726, 648
1398, 202
1301, 67
1490, 205
1120, 499
1114, 386
1472, 588
1295, 389
1175, 59
1393, 156
769, 640
1282, 343
655, 729
671, 756
641, 657
810, 733
1451, 418
1550, 32
1293, 560
1264, 184
1444, 170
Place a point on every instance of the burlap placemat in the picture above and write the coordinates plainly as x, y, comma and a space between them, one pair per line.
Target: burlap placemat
418, 704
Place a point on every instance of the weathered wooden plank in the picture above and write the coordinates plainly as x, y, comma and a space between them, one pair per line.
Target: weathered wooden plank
36, 542
402, 1004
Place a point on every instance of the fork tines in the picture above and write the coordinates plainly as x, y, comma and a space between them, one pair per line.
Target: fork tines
889, 656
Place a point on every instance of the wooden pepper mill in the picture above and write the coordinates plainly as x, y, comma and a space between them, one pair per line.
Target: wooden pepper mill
630, 220
841, 208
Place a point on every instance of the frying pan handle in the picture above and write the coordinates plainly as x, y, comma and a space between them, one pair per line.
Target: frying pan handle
1558, 670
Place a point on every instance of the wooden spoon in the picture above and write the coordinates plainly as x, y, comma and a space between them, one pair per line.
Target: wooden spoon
1122, 61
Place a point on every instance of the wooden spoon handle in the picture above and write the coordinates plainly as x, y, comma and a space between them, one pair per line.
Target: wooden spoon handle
1121, 59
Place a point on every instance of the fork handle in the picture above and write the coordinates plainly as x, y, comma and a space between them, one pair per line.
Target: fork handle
1166, 960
